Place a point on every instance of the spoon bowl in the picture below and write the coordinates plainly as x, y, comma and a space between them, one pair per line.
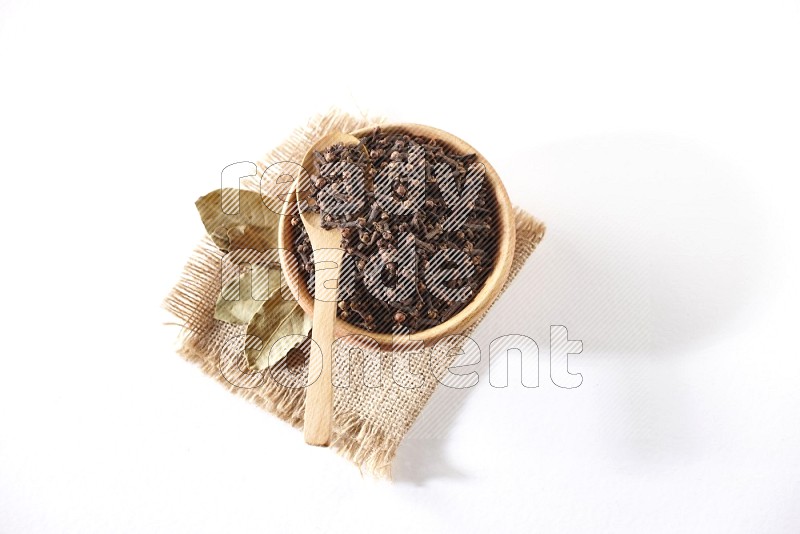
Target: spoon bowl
485, 295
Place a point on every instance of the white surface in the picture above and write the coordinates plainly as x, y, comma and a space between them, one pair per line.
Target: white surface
658, 140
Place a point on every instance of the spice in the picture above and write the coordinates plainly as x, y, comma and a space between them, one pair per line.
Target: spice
417, 223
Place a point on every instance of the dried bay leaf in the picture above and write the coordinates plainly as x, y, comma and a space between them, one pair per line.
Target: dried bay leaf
270, 318
241, 298
254, 226
276, 319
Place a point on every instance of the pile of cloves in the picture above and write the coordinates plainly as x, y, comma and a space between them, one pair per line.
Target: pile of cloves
395, 197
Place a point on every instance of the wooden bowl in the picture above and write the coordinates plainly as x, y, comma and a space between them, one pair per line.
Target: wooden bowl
473, 311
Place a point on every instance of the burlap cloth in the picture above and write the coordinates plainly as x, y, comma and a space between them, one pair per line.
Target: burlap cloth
369, 422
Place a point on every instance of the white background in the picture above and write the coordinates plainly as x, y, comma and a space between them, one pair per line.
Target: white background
658, 140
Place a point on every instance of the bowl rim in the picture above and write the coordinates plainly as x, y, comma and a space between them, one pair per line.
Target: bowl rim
481, 301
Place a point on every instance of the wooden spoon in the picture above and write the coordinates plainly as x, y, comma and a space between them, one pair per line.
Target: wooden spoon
317, 428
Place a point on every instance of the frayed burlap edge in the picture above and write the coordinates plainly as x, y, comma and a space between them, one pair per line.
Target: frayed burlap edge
360, 441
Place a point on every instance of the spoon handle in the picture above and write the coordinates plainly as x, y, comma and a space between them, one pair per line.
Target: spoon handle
317, 428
